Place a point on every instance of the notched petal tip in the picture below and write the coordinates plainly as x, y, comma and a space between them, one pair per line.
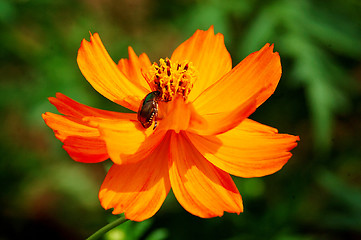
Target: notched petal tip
133, 68
81, 141
91, 37
84, 41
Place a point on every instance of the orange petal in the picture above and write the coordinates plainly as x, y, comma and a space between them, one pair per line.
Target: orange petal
88, 150
82, 142
260, 70
126, 140
103, 74
133, 67
178, 115
174, 115
201, 188
249, 150
121, 135
208, 54
217, 123
144, 61
138, 189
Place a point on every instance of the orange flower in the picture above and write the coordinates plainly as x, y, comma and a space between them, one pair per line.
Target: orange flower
203, 133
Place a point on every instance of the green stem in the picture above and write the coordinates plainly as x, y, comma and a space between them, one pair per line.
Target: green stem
106, 228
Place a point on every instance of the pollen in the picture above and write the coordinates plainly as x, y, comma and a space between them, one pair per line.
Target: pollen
172, 78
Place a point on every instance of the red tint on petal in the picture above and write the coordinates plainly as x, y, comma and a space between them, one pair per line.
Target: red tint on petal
68, 106
249, 150
138, 189
82, 142
88, 150
201, 188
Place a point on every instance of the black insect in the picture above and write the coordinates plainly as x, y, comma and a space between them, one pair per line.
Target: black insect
148, 109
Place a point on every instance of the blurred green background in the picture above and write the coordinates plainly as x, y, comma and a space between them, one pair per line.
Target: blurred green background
317, 195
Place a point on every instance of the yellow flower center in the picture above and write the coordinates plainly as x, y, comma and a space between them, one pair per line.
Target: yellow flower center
172, 78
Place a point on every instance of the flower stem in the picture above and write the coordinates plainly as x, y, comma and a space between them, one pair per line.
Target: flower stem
107, 228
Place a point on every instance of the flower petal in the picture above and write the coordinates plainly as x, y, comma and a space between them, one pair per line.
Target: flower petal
121, 135
260, 70
126, 140
208, 54
201, 188
249, 150
133, 67
68, 106
178, 115
82, 142
138, 189
217, 123
174, 115
103, 74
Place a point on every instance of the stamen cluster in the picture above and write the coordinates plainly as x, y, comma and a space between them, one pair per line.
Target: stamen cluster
172, 78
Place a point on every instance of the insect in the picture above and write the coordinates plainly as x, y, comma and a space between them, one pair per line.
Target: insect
148, 110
